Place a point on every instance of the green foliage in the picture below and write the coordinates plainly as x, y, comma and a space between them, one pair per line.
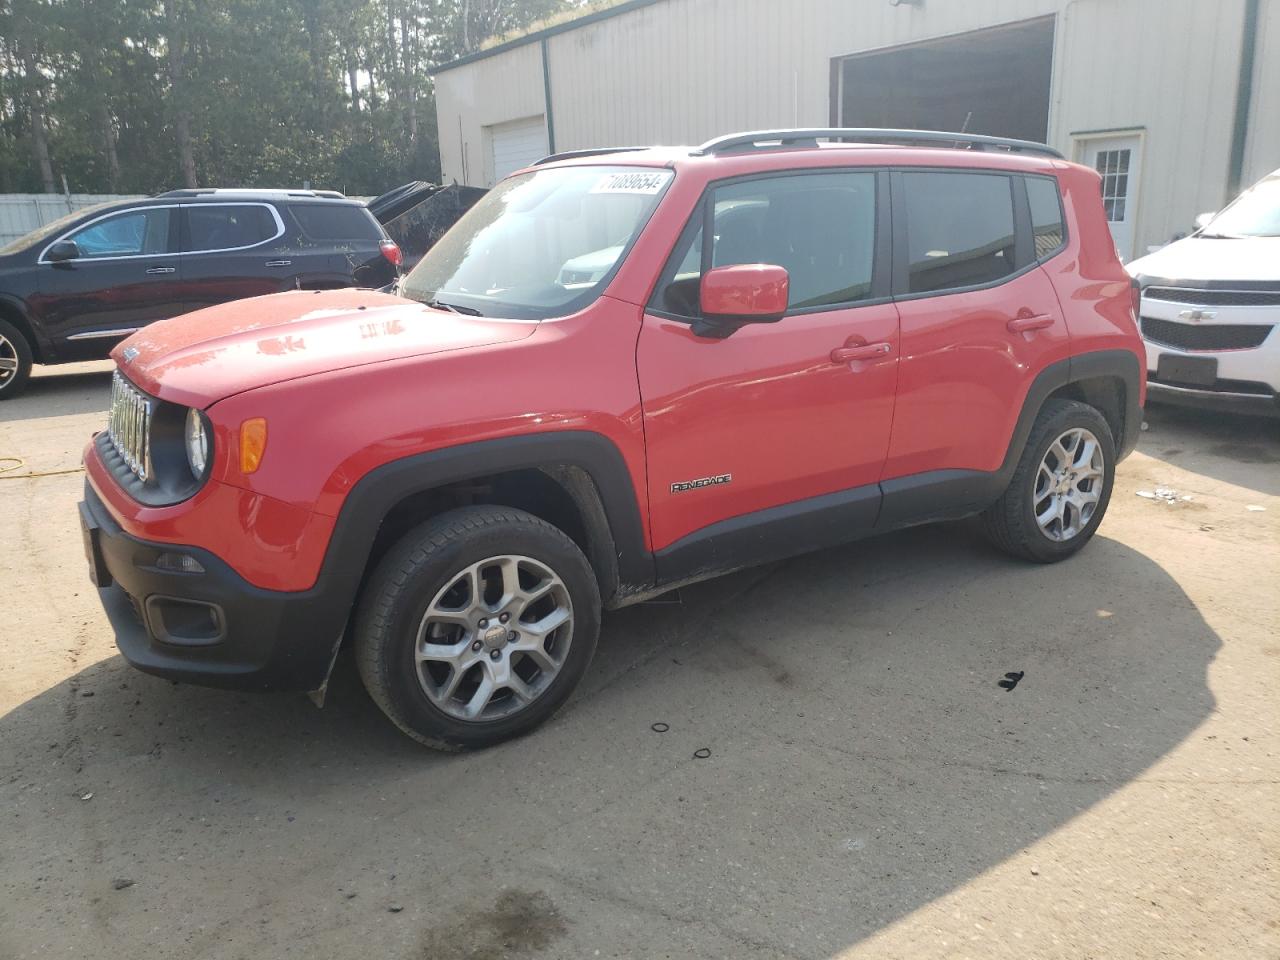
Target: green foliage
138, 96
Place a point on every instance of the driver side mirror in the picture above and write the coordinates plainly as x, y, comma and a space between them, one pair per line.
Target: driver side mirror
1204, 219
62, 251
742, 293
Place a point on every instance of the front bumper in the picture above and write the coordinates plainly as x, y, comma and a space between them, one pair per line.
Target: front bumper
1237, 346
211, 628
1213, 399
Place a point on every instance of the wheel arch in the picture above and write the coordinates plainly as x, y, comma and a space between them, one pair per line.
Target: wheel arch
13, 311
1108, 380
576, 480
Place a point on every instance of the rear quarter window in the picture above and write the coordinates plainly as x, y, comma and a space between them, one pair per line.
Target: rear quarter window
1046, 216
321, 222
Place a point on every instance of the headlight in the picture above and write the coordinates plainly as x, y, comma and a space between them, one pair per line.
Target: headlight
197, 435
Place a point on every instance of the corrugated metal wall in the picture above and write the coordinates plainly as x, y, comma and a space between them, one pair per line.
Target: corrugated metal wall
1262, 154
1169, 68
20, 213
682, 71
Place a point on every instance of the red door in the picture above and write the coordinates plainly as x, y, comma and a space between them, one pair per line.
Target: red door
979, 321
774, 413
768, 408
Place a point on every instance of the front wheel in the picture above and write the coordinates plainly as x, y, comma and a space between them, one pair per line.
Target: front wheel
477, 626
1060, 488
15, 360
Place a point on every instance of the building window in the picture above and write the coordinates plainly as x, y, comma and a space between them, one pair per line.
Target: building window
1114, 167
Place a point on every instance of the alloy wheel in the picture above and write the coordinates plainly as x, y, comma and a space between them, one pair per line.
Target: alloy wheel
1068, 485
9, 362
494, 638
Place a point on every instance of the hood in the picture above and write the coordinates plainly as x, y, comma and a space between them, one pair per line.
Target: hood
1196, 258
201, 357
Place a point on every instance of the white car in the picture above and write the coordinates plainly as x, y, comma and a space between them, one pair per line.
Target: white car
1211, 305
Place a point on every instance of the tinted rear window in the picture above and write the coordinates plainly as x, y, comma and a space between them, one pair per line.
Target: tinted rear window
959, 229
337, 223
228, 226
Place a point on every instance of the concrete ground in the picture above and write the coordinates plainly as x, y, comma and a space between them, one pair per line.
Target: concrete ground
870, 790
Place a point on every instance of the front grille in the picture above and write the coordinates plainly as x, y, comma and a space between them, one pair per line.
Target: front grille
129, 425
1215, 298
1204, 336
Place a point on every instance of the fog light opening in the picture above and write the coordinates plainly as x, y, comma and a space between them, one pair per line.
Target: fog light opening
178, 563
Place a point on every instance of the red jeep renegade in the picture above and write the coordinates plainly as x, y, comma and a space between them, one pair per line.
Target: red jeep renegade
621, 371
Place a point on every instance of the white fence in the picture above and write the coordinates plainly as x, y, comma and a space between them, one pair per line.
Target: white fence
21, 213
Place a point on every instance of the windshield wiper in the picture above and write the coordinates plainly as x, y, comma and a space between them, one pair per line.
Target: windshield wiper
454, 308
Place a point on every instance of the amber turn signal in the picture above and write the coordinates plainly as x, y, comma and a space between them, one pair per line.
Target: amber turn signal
253, 444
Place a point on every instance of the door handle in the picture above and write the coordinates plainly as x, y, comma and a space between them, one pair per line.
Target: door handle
153, 271
279, 263
868, 351
1027, 324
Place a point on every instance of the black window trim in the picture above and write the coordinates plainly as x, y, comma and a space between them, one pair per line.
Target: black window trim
703, 211
186, 231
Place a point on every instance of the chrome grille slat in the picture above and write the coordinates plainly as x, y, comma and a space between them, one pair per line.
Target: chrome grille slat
129, 426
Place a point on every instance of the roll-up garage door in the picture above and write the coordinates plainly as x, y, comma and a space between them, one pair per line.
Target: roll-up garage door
517, 144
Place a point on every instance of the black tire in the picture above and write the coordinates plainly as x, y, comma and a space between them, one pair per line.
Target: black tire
1010, 523
421, 565
13, 345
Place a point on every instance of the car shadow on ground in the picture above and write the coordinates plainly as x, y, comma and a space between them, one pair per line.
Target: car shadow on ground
864, 760
1225, 446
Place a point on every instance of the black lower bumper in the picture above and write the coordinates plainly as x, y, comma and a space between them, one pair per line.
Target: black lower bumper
209, 627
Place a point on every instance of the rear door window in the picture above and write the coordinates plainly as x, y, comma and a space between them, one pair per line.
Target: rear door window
820, 227
336, 222
959, 230
212, 227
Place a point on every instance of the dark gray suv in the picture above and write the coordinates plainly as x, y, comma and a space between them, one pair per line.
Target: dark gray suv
72, 289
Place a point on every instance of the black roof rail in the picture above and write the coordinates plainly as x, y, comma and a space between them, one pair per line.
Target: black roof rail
595, 152
771, 139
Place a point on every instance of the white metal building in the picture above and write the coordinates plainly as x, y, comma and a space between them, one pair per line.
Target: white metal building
1178, 100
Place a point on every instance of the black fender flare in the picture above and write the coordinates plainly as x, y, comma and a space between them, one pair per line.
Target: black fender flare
952, 494
1116, 364
614, 518
1129, 369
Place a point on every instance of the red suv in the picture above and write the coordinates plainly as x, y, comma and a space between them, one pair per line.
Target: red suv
620, 372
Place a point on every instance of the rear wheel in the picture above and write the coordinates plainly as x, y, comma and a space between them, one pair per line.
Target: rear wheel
15, 360
477, 626
1060, 488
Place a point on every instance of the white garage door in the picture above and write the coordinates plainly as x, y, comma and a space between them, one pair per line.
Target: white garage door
517, 144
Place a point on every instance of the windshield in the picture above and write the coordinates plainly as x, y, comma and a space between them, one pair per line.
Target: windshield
50, 229
539, 245
1255, 213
